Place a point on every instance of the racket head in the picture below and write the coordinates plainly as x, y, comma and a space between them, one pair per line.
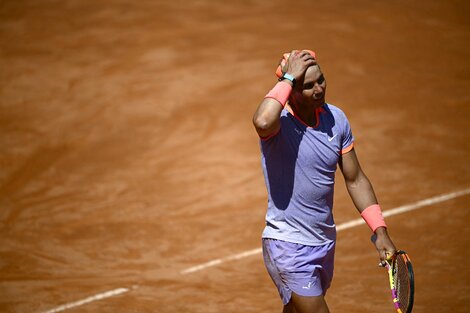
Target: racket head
402, 281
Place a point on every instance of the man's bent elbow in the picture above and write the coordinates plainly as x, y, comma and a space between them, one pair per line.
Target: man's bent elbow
260, 123
263, 127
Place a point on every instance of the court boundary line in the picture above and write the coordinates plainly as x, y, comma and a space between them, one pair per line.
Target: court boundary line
245, 254
353, 223
97, 297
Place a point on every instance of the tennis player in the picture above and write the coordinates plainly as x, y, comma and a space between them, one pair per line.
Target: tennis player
302, 140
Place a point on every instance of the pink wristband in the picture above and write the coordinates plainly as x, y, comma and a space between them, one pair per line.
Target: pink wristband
373, 217
280, 92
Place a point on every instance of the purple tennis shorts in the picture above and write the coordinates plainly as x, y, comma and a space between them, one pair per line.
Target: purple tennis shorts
304, 270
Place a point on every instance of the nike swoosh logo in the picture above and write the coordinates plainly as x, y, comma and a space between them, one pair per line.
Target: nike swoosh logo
330, 139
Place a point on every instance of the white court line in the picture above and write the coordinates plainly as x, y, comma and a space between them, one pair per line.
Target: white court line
340, 227
96, 297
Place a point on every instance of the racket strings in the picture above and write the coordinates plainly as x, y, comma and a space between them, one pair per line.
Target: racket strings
402, 282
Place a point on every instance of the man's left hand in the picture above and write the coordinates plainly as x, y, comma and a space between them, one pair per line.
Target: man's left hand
383, 244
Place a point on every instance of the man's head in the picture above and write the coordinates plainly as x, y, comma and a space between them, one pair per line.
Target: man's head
312, 89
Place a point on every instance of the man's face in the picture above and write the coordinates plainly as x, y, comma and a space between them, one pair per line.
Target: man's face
314, 86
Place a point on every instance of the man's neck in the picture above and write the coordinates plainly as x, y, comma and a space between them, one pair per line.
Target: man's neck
306, 113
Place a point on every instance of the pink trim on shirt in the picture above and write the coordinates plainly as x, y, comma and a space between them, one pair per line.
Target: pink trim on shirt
270, 136
348, 148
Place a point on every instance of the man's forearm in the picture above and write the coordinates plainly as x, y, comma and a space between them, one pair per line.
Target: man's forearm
361, 192
266, 117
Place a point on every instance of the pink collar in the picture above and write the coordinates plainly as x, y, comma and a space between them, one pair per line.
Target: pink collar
317, 115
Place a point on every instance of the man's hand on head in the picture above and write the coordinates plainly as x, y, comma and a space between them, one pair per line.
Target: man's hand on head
298, 63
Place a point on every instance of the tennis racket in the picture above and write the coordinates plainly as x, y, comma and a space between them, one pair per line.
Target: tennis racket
400, 274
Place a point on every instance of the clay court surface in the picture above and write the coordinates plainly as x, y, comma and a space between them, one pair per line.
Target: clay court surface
128, 155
